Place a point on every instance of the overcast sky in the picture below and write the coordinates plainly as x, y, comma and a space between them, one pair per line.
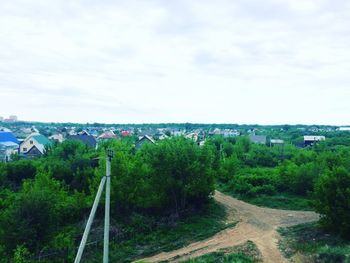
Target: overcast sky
223, 61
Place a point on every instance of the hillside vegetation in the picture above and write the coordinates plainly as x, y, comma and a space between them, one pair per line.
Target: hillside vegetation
44, 203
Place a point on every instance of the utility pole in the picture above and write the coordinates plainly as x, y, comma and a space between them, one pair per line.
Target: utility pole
107, 206
222, 152
90, 220
105, 178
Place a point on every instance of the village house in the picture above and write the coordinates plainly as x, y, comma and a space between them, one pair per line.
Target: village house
142, 140
160, 136
107, 136
34, 145
311, 139
276, 142
176, 132
125, 133
85, 138
8, 146
57, 137
259, 139
193, 136
344, 129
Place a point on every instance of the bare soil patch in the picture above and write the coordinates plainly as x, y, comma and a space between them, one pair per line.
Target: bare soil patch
257, 224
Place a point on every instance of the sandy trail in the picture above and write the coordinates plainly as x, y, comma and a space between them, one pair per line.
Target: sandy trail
257, 224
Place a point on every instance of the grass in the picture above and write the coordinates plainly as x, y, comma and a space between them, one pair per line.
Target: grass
245, 253
314, 243
220, 257
204, 224
281, 201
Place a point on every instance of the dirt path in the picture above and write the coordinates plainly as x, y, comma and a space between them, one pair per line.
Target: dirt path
257, 224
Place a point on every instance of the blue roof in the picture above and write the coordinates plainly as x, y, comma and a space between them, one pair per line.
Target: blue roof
8, 137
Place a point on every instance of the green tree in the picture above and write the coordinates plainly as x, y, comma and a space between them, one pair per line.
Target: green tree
182, 171
171, 175
332, 200
32, 216
19, 170
71, 163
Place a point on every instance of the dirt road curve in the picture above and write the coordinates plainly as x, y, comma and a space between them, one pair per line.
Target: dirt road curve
256, 224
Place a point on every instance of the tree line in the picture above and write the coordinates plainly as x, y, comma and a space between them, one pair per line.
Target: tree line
320, 173
44, 202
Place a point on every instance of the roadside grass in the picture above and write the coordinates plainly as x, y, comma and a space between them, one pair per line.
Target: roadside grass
220, 257
202, 225
283, 201
313, 242
245, 253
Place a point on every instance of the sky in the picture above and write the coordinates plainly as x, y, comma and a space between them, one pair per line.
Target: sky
152, 61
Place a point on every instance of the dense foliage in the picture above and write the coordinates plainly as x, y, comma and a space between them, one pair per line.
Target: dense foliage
333, 200
315, 243
287, 176
44, 202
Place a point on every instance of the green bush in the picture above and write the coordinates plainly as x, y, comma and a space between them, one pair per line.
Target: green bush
33, 216
254, 182
332, 200
170, 176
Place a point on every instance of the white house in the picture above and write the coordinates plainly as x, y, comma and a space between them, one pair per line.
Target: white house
57, 137
344, 129
6, 150
311, 139
34, 140
8, 145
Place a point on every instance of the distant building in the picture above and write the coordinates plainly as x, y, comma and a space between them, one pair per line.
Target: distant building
107, 136
276, 142
6, 150
125, 133
177, 133
6, 136
27, 131
260, 139
8, 146
310, 139
143, 139
226, 132
13, 118
40, 142
94, 133
160, 136
193, 136
3, 129
88, 140
230, 133
57, 137
8, 120
84, 132
33, 152
343, 129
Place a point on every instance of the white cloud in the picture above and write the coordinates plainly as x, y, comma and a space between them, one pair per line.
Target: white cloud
277, 61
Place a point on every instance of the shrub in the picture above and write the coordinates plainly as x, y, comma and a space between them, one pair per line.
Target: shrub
332, 200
